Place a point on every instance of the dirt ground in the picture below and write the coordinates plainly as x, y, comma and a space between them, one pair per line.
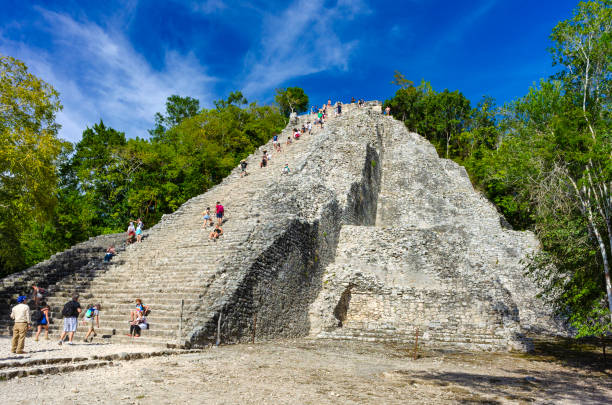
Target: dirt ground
325, 372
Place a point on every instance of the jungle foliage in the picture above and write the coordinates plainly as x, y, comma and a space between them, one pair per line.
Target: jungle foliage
54, 194
544, 159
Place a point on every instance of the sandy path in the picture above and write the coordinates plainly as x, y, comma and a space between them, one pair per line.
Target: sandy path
318, 372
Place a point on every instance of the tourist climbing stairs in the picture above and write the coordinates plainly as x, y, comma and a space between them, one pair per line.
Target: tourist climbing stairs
175, 263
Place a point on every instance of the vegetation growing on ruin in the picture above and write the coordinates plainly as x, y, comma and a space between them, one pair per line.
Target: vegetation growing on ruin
544, 159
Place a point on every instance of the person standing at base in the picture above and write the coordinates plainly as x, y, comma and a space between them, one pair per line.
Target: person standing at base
92, 317
43, 323
70, 312
21, 315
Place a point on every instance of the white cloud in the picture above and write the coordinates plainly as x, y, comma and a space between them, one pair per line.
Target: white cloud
299, 41
100, 75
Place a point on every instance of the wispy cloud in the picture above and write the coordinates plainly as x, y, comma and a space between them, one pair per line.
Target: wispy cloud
99, 74
456, 32
300, 41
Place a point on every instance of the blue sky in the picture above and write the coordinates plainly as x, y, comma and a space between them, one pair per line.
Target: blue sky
119, 60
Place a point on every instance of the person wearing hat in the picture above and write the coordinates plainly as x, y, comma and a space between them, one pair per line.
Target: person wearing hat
21, 315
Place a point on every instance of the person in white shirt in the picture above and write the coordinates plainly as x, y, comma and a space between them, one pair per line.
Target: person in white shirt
21, 315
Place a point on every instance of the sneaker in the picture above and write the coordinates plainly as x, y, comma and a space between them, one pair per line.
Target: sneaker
85, 340
60, 342
47, 338
36, 339
70, 343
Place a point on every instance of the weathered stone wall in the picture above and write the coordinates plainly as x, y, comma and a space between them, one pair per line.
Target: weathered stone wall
439, 260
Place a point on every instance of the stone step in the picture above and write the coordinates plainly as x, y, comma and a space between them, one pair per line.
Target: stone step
129, 293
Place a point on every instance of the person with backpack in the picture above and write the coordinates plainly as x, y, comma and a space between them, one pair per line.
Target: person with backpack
220, 211
92, 315
21, 315
41, 319
70, 312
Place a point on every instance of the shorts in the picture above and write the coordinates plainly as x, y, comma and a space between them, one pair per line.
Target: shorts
70, 324
219, 215
90, 322
206, 217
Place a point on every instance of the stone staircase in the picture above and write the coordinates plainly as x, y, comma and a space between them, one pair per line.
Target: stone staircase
177, 270
372, 236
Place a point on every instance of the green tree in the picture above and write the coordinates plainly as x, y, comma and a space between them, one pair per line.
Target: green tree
29, 148
291, 99
102, 175
177, 109
583, 46
445, 115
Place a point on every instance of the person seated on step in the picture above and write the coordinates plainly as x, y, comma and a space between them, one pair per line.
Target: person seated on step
286, 169
139, 323
110, 252
296, 134
214, 235
139, 308
131, 232
289, 141
264, 160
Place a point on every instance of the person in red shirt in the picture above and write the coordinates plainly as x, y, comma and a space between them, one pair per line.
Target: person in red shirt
220, 211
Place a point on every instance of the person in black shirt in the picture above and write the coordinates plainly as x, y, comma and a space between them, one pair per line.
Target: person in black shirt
71, 312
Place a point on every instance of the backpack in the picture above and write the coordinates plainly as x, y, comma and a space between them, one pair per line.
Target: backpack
37, 316
90, 313
68, 310
220, 209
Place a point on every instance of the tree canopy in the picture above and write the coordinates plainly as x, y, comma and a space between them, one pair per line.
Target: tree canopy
291, 99
29, 149
545, 160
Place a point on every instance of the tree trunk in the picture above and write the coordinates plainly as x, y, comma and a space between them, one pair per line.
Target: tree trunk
585, 208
